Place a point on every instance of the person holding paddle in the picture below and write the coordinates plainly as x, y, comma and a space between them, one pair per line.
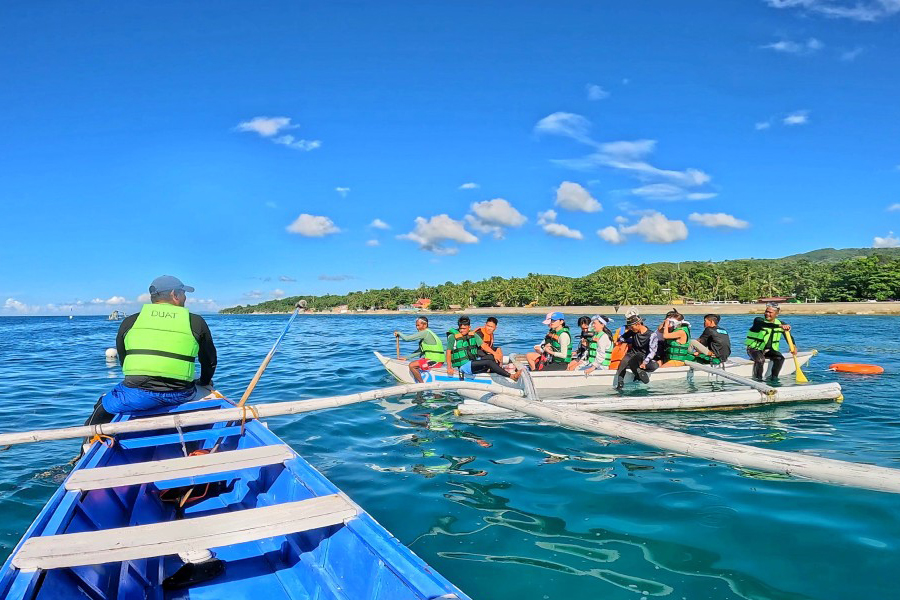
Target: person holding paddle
763, 341
157, 348
428, 355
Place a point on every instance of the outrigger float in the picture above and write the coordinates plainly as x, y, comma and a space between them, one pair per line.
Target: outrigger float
571, 389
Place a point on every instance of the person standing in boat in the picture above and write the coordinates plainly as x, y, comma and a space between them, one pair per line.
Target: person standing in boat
642, 347
599, 349
714, 344
429, 354
763, 341
462, 353
157, 348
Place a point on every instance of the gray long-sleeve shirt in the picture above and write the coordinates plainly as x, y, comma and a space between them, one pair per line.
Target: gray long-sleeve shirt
428, 336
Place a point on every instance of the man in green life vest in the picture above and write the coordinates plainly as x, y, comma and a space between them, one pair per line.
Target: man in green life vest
462, 353
763, 341
157, 348
430, 353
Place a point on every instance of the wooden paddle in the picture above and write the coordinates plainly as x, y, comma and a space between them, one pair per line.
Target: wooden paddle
801, 378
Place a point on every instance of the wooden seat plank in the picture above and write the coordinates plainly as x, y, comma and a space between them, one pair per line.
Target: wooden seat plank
187, 535
177, 468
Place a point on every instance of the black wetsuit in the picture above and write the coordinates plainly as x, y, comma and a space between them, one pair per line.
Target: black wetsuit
638, 350
718, 342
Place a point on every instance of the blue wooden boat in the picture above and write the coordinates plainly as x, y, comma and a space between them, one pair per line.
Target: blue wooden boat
223, 511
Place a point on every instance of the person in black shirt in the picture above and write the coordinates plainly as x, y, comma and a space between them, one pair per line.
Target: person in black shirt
641, 351
713, 343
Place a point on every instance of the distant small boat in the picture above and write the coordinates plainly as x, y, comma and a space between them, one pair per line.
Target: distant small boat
276, 527
116, 316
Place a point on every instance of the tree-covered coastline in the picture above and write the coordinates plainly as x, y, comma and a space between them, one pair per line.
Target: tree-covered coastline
826, 275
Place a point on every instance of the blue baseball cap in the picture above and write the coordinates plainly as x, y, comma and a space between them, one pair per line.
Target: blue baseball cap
554, 316
168, 283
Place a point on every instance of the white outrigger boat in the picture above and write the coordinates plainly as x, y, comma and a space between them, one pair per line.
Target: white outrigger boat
569, 382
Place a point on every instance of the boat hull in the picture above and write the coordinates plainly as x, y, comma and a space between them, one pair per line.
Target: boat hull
568, 382
355, 558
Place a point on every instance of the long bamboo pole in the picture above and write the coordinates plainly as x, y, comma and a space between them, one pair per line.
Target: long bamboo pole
206, 417
265, 363
825, 470
756, 385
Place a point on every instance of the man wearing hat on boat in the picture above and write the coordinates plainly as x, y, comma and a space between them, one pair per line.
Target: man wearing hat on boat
642, 348
763, 341
157, 348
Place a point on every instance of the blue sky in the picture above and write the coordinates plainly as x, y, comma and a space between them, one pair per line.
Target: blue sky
281, 148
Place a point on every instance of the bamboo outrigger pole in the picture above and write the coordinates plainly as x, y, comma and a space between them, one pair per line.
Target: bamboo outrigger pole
814, 468
756, 385
206, 417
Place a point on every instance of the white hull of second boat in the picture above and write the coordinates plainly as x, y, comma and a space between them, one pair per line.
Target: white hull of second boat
600, 380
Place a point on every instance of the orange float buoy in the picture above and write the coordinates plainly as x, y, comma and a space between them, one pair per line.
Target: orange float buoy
856, 368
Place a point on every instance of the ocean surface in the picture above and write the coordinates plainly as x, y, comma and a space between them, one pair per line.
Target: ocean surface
514, 509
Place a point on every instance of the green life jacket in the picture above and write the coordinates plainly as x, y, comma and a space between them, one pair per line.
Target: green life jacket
758, 340
433, 352
675, 350
557, 347
161, 344
592, 350
465, 349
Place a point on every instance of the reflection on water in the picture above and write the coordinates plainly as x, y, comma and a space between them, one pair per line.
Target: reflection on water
512, 509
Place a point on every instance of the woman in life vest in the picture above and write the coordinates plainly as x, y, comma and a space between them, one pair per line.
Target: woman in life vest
598, 352
676, 333
587, 333
555, 353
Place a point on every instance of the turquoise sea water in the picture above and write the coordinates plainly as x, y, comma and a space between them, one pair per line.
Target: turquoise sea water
514, 509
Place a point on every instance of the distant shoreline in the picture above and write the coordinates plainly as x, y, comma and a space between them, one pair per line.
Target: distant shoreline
818, 308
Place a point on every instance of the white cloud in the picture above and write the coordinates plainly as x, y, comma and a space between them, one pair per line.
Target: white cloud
718, 220
373, 243
269, 127
611, 235
893, 207
886, 242
253, 294
379, 224
595, 92
629, 156
14, 305
144, 298
343, 191
297, 144
491, 216
205, 304
857, 10
658, 229
433, 234
801, 117
760, 125
277, 293
621, 220
790, 47
670, 192
565, 124
469, 186
851, 55
335, 277
547, 221
266, 126
312, 226
286, 278
117, 300
572, 196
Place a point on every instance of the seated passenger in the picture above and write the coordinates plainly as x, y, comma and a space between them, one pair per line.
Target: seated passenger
639, 359
429, 354
677, 335
555, 353
462, 353
713, 345
599, 349
487, 348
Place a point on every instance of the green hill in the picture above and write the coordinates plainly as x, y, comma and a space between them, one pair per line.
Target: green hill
835, 255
